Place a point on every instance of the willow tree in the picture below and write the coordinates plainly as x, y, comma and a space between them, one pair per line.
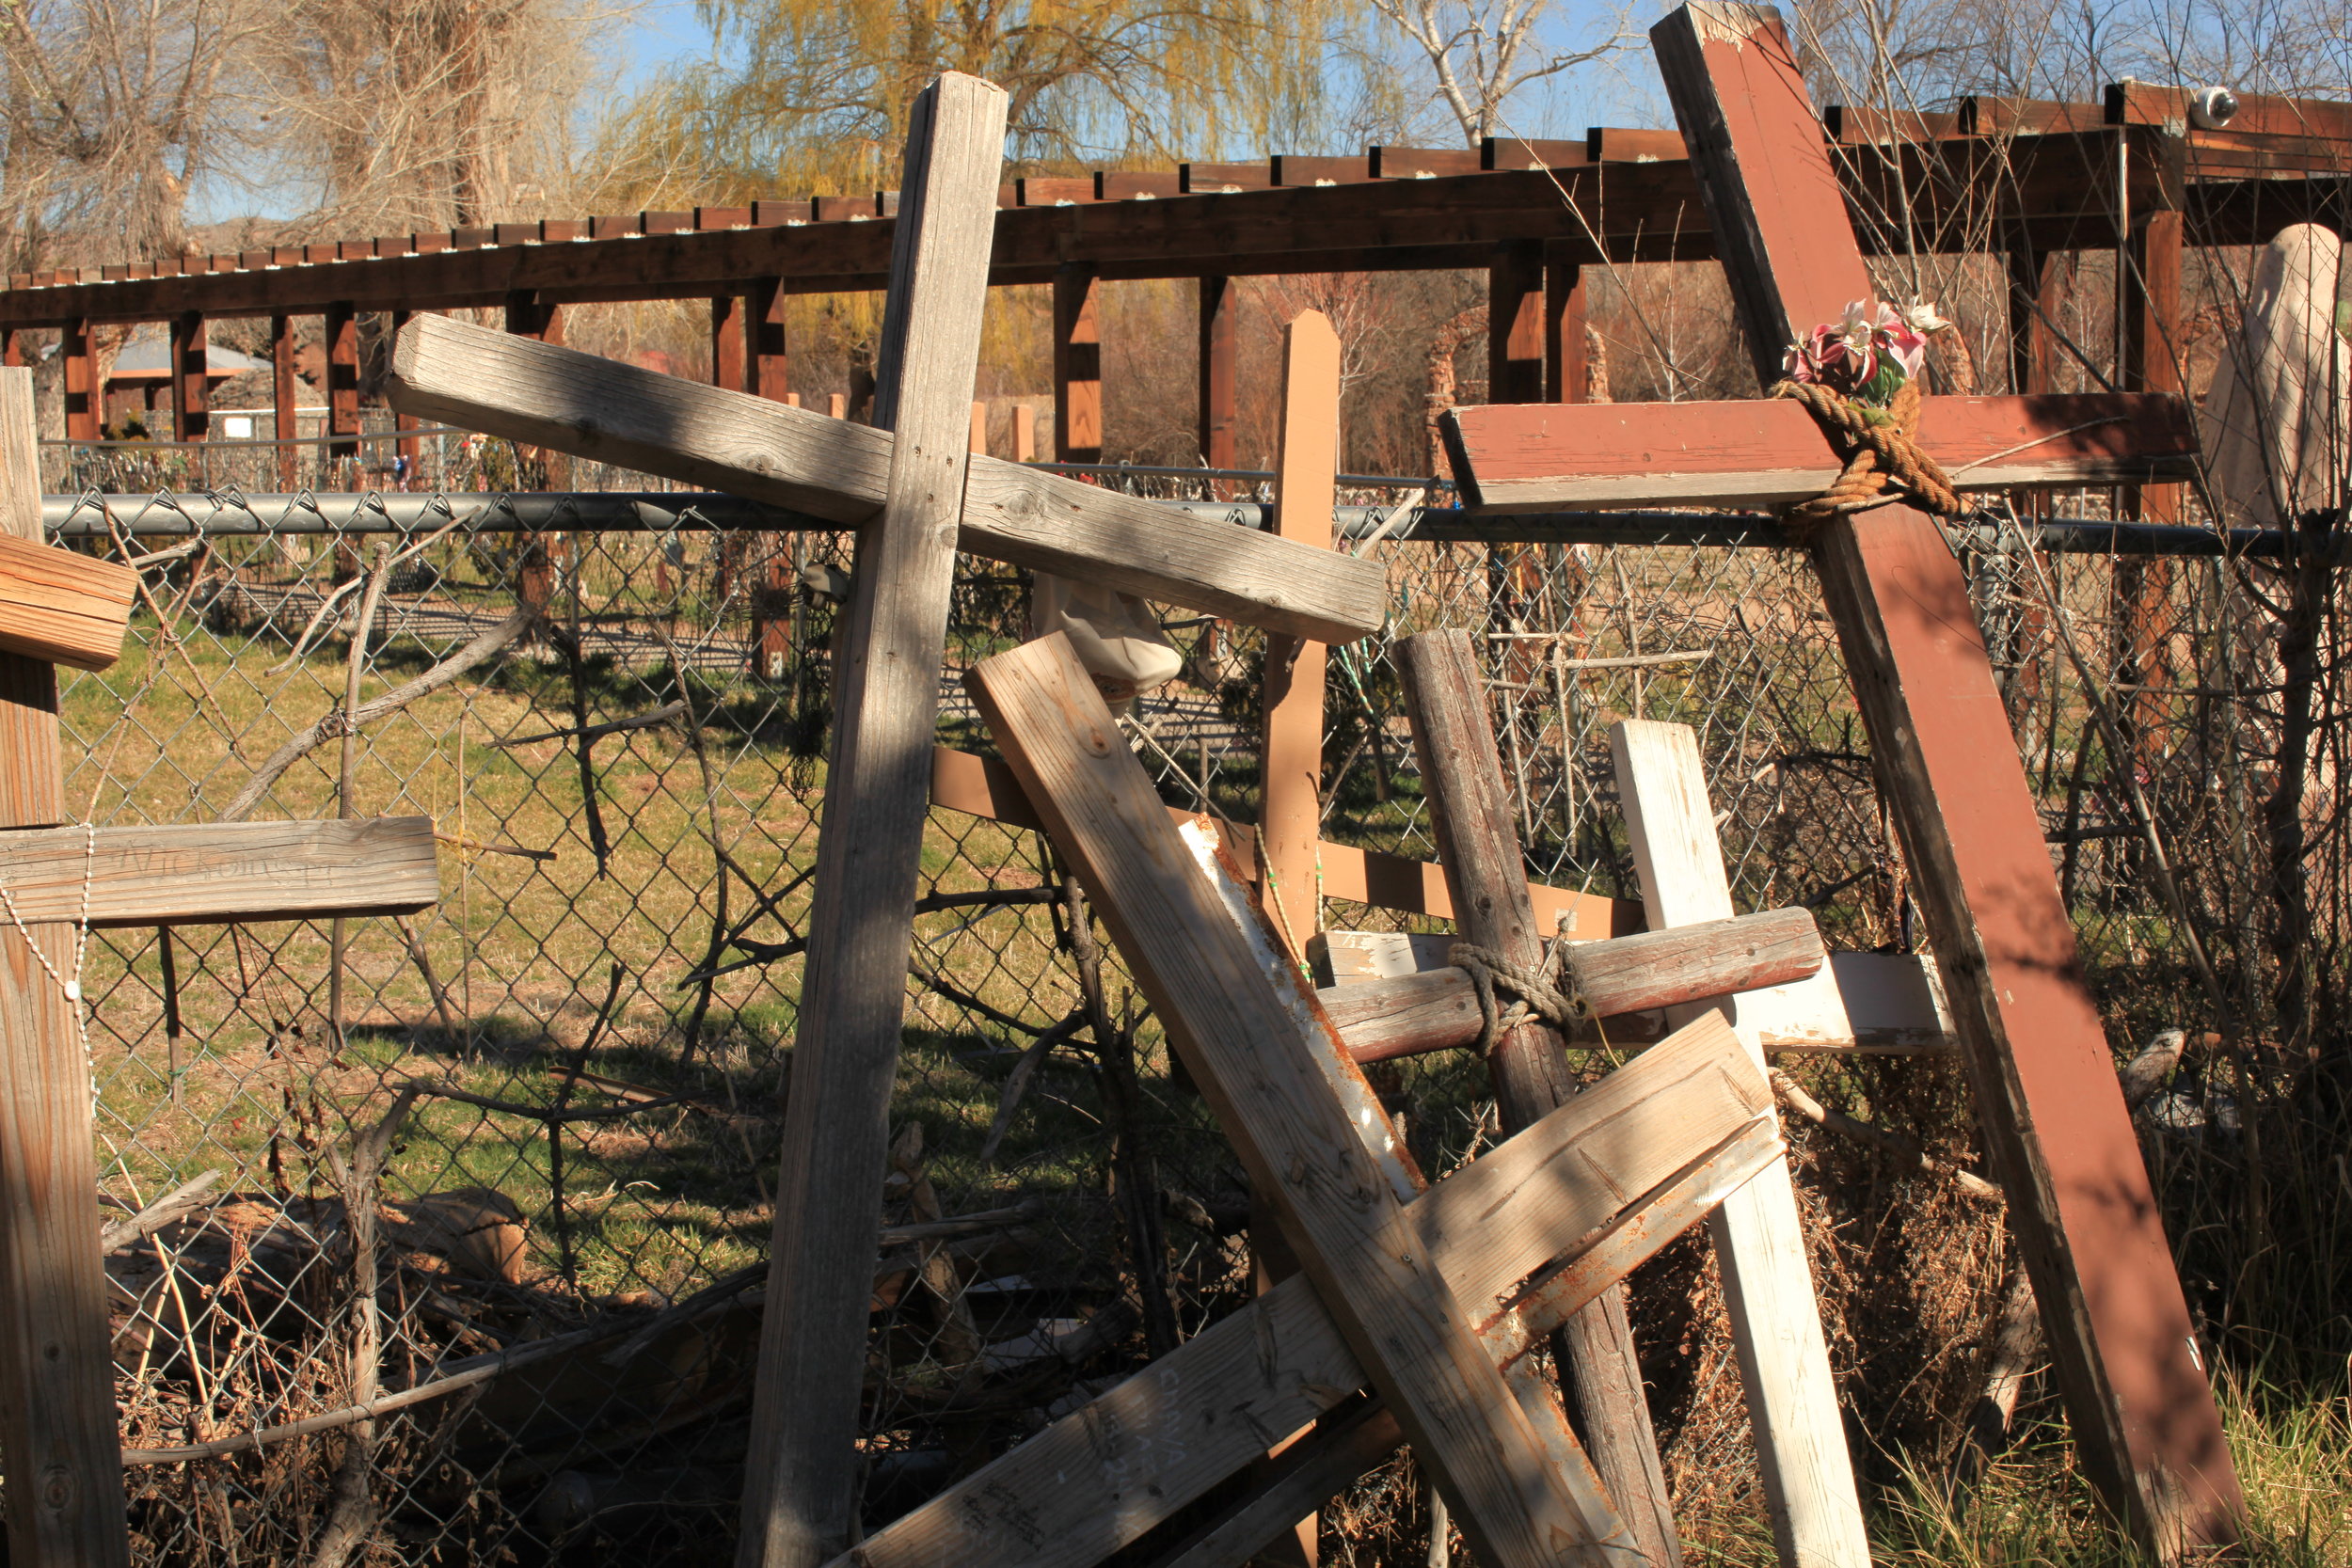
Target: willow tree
814, 94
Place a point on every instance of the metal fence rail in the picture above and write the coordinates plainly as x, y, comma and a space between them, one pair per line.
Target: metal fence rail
587, 1040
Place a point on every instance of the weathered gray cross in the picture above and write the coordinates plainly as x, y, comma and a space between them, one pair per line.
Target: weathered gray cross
59, 1429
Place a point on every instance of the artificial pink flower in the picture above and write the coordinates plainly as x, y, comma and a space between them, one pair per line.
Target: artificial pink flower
1867, 355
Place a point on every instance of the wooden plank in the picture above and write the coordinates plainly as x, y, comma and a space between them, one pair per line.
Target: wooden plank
1470, 810
1510, 152
1612, 144
1220, 302
1760, 1235
600, 408
1122, 185
59, 1440
1099, 1478
2079, 1198
985, 787
1422, 163
1034, 192
1287, 169
63, 607
191, 386
221, 872
1260, 1052
2257, 114
1203, 179
801, 1476
1769, 451
1307, 457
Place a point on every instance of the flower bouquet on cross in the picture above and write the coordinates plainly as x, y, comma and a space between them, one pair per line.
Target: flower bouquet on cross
1869, 356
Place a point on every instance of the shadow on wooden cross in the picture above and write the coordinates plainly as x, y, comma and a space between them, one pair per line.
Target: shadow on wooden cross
2079, 1198
1416, 1309
57, 1421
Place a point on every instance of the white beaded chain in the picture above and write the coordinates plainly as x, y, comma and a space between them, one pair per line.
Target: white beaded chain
72, 987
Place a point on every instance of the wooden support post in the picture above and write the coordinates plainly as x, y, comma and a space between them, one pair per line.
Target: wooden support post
1289, 817
1219, 304
1024, 432
768, 369
1760, 1234
83, 415
1301, 1116
11, 348
1077, 366
2148, 302
1565, 372
1470, 808
978, 443
801, 1473
728, 344
191, 388
1515, 322
2079, 1200
283, 424
57, 1422
343, 381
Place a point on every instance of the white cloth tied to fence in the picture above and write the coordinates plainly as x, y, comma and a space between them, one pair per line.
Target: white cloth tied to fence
2276, 418
1115, 636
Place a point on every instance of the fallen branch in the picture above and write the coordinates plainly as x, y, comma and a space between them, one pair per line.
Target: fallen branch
641, 722
770, 952
166, 1210
1794, 1097
1017, 1080
330, 725
459, 841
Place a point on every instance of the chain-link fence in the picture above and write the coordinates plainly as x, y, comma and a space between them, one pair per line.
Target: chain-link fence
539, 1121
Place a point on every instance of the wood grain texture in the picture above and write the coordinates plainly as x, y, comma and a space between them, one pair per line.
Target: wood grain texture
1677, 1127
216, 873
985, 787
1469, 811
58, 1423
800, 1475
2079, 1198
1255, 1042
63, 607
1760, 1235
1533, 457
762, 450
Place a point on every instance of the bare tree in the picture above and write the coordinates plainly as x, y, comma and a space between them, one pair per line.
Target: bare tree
1484, 50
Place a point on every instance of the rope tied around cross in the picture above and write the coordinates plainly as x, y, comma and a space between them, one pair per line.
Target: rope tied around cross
1543, 992
1859, 378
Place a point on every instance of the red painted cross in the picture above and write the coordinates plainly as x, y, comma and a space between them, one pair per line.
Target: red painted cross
2046, 1092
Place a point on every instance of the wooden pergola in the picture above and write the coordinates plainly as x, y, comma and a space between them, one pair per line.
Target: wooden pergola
2143, 174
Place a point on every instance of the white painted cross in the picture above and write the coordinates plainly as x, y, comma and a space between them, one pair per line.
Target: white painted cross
59, 1430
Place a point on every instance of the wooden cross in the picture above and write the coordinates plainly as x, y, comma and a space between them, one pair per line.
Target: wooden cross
59, 1430
2079, 1198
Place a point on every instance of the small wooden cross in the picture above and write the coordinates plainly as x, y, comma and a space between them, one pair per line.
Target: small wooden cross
2086, 1219
59, 1430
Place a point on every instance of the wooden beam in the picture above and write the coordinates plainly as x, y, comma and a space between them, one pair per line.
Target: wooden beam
1470, 810
58, 1426
2079, 1200
83, 411
1567, 375
1290, 750
1077, 366
1760, 1235
217, 873
1281, 1084
1514, 323
985, 787
342, 379
283, 418
63, 607
1219, 303
1769, 451
191, 387
1099, 1478
727, 344
800, 1478
2149, 304
750, 447
768, 368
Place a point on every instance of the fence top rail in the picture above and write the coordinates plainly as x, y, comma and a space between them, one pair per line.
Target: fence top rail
1283, 215
232, 514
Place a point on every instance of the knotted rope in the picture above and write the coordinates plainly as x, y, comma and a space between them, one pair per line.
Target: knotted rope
1538, 991
1878, 451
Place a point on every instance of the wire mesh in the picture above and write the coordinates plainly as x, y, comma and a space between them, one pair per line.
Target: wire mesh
574, 1064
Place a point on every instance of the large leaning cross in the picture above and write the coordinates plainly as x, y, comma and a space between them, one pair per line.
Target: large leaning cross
2079, 1197
59, 1430
916, 494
